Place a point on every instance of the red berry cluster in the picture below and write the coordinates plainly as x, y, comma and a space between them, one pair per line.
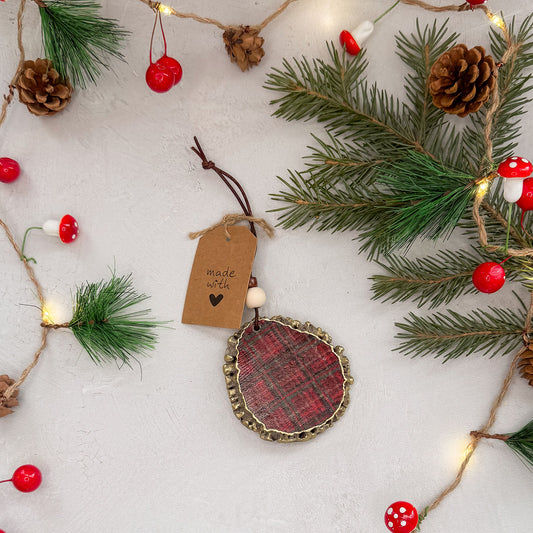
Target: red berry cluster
162, 75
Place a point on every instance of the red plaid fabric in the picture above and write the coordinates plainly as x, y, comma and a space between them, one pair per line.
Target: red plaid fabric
291, 381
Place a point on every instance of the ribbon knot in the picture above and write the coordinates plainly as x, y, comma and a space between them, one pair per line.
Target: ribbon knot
208, 165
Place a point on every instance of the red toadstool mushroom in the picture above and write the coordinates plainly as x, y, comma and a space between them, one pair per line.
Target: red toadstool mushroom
66, 229
401, 517
353, 40
515, 170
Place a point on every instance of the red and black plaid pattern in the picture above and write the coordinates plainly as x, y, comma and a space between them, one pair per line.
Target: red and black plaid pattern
291, 381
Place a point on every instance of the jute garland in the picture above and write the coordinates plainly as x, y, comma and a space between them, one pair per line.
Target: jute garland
243, 44
8, 393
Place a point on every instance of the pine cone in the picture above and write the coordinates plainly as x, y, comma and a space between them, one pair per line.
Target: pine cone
5, 406
42, 89
526, 366
462, 80
244, 46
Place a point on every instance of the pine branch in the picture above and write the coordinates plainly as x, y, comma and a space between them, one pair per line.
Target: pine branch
323, 207
334, 161
105, 325
338, 95
450, 334
431, 281
521, 443
78, 40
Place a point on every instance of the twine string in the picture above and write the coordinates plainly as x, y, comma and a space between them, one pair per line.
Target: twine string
429, 7
9, 97
206, 20
481, 435
31, 274
231, 220
477, 436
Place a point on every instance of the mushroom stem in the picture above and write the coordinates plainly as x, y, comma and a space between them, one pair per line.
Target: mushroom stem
387, 12
51, 227
512, 189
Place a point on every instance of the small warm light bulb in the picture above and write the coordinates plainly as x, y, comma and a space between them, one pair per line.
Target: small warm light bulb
483, 187
496, 20
165, 10
47, 318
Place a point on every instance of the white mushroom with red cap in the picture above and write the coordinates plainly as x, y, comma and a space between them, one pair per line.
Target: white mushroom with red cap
514, 170
66, 229
353, 40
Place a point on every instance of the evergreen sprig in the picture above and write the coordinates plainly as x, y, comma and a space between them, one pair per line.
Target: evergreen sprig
450, 334
105, 324
521, 443
337, 94
333, 163
78, 40
431, 281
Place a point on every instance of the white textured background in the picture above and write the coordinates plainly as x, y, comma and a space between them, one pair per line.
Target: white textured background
164, 453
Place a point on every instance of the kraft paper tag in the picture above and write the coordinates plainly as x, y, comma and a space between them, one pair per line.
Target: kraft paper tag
219, 278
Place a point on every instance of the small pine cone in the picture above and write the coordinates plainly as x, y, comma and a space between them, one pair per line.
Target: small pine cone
462, 80
244, 46
5, 405
526, 366
42, 88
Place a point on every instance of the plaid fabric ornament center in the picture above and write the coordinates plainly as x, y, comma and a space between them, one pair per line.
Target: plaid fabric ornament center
286, 380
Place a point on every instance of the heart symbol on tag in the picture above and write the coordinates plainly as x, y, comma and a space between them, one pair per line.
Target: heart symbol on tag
215, 300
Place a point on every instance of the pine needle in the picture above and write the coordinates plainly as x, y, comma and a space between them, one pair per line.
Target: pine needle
105, 325
521, 443
78, 40
436, 198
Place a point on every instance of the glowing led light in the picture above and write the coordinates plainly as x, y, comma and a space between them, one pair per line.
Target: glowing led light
165, 10
46, 315
483, 187
496, 20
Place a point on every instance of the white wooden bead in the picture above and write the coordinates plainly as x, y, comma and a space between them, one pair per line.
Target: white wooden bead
255, 298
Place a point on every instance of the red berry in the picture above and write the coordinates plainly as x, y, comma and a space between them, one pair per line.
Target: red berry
9, 170
159, 78
173, 65
488, 277
401, 517
526, 200
476, 2
27, 478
